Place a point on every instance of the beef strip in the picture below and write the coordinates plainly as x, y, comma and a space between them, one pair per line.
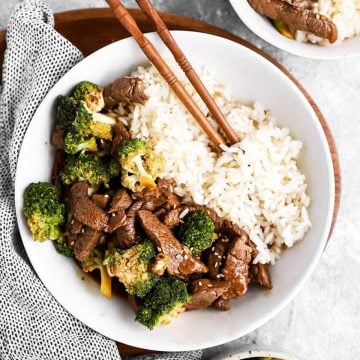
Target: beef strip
58, 165
121, 201
83, 209
57, 137
86, 242
215, 259
222, 304
166, 188
297, 17
152, 198
91, 215
236, 267
116, 221
172, 218
260, 274
181, 263
100, 200
120, 133
126, 235
124, 90
205, 292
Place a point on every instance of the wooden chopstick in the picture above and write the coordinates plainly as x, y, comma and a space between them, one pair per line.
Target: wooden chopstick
128, 22
153, 16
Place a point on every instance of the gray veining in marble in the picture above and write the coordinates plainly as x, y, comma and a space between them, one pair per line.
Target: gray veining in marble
324, 320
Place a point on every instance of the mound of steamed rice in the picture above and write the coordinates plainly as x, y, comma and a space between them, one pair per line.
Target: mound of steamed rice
344, 13
255, 183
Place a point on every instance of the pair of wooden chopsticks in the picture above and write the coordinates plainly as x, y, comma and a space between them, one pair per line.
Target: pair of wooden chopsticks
153, 55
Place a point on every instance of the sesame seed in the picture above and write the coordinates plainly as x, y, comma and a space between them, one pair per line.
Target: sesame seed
72, 243
221, 275
178, 256
186, 257
72, 221
213, 249
82, 231
209, 285
113, 214
216, 264
216, 253
159, 249
218, 276
200, 283
106, 195
219, 257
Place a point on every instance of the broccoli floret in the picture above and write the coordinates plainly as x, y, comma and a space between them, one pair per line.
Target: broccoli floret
44, 212
196, 232
95, 261
73, 143
85, 167
165, 301
140, 166
66, 110
76, 115
91, 94
114, 168
64, 249
132, 267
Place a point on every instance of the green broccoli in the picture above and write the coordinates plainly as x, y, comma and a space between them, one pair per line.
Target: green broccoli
164, 301
196, 232
95, 261
140, 166
91, 94
76, 115
44, 212
132, 267
85, 167
74, 143
64, 249
66, 110
114, 168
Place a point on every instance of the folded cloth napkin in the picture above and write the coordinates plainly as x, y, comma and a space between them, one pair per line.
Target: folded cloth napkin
32, 324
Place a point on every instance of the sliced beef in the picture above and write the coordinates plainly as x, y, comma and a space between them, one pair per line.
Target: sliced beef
86, 242
172, 218
181, 263
100, 200
120, 134
297, 17
83, 209
116, 221
222, 304
216, 258
205, 292
91, 215
58, 165
152, 198
57, 137
166, 188
121, 201
77, 192
124, 90
126, 235
260, 274
236, 267
231, 229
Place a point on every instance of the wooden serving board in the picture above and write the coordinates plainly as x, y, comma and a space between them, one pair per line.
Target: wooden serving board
92, 29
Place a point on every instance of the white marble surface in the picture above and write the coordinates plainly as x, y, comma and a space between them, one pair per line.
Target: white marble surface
324, 320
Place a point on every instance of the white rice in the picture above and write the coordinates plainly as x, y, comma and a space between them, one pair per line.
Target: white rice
255, 183
344, 13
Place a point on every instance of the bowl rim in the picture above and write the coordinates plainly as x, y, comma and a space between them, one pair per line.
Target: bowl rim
291, 294
301, 49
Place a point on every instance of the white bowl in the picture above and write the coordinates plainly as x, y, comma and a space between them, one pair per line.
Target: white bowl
249, 76
263, 28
